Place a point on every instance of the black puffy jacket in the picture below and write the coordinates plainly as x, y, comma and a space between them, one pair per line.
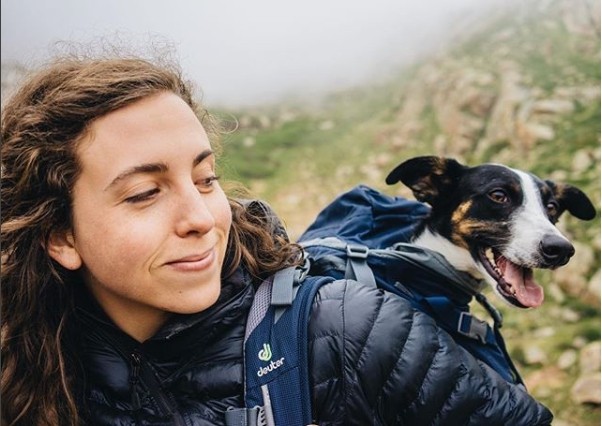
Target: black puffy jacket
374, 361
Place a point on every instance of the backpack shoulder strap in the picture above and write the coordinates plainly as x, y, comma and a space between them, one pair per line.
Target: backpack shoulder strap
276, 373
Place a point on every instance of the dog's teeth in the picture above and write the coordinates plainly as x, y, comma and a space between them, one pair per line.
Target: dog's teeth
489, 253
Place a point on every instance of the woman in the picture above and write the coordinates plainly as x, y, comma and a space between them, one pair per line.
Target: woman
128, 274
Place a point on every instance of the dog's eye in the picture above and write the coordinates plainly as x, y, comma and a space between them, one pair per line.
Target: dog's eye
552, 209
498, 196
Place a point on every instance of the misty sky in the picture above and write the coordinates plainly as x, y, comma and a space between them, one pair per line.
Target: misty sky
247, 51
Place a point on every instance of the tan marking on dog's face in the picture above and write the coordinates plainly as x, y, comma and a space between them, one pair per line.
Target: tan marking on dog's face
464, 227
471, 227
460, 224
461, 212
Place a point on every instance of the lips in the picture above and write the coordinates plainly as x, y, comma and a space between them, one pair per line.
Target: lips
194, 262
515, 283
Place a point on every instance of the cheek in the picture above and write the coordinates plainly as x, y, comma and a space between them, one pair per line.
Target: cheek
218, 205
222, 215
106, 242
223, 218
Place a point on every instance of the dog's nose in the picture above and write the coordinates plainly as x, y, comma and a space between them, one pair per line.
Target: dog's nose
556, 250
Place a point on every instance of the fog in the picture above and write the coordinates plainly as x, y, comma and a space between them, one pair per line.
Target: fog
247, 52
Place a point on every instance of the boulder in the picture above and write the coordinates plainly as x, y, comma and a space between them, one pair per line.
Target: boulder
586, 390
589, 358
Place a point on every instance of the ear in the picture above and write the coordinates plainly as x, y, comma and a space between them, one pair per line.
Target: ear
573, 200
61, 248
428, 177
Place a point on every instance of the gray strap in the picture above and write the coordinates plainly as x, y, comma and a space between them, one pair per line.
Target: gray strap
268, 416
418, 256
245, 417
260, 306
282, 288
282, 291
357, 266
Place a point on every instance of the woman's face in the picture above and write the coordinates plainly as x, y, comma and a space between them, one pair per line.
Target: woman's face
150, 221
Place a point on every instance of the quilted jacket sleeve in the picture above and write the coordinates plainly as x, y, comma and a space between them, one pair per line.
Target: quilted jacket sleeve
376, 361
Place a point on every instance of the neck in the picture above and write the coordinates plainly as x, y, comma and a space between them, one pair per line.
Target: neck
135, 319
457, 256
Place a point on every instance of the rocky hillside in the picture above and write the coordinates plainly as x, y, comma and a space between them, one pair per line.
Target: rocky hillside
521, 89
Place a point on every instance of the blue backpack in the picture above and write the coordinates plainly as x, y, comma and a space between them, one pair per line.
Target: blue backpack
362, 235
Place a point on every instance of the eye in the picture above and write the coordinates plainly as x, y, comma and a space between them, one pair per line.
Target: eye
207, 183
552, 208
499, 196
142, 196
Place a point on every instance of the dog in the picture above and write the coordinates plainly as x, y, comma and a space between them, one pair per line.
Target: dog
493, 222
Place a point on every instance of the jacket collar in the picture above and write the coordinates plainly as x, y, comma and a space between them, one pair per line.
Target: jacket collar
181, 331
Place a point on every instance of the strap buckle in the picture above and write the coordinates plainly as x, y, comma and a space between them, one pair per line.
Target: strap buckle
472, 327
357, 251
246, 416
357, 265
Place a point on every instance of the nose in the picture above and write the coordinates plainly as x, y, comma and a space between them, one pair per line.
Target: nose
556, 250
193, 214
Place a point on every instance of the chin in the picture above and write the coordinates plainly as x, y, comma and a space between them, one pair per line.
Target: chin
197, 300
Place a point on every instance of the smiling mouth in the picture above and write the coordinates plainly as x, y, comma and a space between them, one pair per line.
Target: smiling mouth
194, 262
515, 283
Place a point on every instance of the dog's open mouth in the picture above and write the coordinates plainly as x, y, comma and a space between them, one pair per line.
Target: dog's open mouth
515, 283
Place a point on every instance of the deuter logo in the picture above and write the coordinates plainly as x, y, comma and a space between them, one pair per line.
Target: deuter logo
273, 365
266, 353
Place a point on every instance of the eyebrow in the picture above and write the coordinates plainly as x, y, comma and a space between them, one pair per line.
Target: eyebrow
152, 168
199, 158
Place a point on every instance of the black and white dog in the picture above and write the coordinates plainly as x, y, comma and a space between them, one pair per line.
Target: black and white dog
493, 221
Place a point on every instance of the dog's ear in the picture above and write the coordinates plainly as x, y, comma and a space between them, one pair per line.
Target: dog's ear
428, 177
573, 200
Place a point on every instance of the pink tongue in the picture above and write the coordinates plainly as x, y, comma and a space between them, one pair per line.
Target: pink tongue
528, 292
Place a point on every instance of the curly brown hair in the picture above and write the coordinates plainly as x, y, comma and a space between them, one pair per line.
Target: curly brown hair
42, 124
